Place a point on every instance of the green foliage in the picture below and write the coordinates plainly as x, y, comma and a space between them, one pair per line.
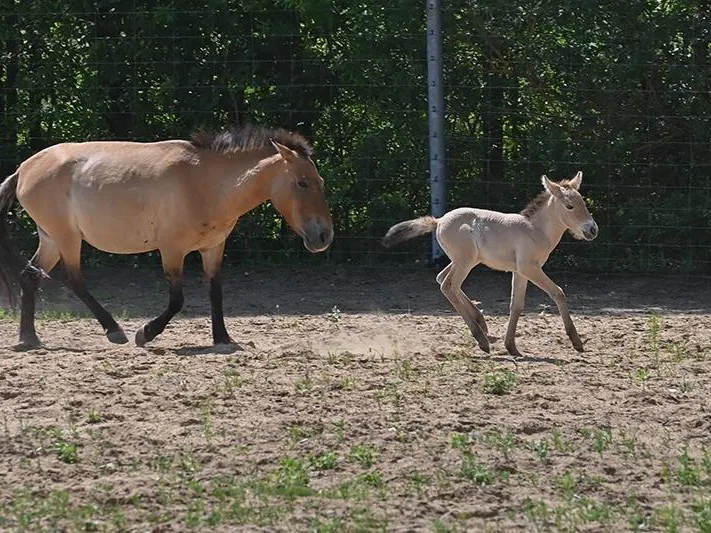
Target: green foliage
618, 91
500, 382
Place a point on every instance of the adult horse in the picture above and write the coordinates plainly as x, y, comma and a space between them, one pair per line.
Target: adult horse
173, 196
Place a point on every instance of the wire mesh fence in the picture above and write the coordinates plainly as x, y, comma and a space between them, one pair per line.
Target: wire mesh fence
619, 91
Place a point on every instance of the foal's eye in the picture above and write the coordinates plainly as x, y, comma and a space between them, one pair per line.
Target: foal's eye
569, 207
302, 184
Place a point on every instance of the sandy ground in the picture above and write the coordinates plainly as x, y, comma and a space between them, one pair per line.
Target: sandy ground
358, 402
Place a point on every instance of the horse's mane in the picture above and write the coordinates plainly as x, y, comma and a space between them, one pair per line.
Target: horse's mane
251, 137
539, 201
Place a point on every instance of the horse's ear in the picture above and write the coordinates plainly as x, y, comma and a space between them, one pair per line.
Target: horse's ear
284, 151
551, 186
577, 180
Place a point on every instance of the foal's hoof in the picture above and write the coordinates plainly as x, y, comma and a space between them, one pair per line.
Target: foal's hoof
141, 337
579, 347
513, 351
117, 337
485, 346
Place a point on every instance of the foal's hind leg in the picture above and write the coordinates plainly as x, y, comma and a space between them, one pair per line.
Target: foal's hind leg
70, 251
173, 267
45, 259
473, 309
451, 287
211, 264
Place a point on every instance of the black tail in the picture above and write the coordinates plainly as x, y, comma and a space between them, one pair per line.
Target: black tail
11, 263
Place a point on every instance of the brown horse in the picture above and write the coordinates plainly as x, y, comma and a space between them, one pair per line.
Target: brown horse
519, 243
172, 196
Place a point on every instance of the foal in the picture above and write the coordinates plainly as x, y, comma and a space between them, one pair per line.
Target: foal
518, 243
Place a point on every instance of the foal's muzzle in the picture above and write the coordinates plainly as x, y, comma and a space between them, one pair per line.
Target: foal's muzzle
590, 230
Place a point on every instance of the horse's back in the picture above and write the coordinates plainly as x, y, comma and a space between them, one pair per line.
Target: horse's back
100, 162
93, 188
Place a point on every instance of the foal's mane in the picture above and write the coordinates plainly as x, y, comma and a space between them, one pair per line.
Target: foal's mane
251, 137
535, 205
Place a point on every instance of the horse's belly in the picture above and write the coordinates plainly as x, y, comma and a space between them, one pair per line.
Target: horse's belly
116, 241
211, 235
118, 232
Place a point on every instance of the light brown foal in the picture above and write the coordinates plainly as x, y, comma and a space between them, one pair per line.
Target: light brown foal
173, 196
519, 243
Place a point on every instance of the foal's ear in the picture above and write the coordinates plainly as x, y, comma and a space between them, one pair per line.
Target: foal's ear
284, 151
577, 180
551, 186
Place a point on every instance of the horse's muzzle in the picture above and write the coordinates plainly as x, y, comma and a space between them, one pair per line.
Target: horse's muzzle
317, 236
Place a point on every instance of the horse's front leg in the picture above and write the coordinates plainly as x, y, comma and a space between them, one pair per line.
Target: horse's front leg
211, 264
173, 268
536, 275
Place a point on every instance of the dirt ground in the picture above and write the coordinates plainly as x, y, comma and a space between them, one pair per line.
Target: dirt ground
358, 402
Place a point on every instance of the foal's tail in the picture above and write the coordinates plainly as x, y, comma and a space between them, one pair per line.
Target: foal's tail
11, 263
408, 230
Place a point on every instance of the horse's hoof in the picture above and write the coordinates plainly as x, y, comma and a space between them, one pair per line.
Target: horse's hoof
579, 347
141, 337
26, 345
485, 347
117, 337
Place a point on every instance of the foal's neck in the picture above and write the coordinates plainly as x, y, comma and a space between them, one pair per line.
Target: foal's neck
544, 221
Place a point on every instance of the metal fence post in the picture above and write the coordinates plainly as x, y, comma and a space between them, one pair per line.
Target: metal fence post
435, 102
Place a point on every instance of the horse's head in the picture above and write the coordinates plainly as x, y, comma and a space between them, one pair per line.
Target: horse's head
298, 194
570, 207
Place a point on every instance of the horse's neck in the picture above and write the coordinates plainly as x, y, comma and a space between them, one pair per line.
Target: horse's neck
252, 187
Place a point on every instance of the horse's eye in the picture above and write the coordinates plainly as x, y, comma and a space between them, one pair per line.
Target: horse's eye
302, 184
569, 207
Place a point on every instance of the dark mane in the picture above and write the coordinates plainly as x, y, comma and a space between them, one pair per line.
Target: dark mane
539, 201
251, 137
534, 205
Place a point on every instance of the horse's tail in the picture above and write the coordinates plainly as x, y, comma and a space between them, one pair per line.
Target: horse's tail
11, 263
409, 229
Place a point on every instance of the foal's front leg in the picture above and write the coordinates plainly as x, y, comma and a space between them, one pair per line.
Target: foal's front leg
518, 299
539, 278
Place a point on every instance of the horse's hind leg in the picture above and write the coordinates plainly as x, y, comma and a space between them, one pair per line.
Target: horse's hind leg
173, 268
211, 264
45, 259
70, 252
